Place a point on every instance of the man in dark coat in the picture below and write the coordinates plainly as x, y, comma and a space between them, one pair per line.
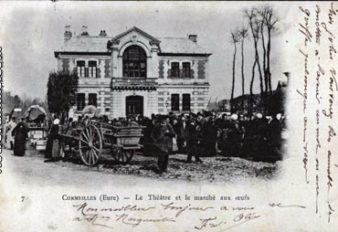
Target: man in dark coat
235, 137
258, 132
274, 138
162, 135
181, 131
194, 138
209, 132
20, 133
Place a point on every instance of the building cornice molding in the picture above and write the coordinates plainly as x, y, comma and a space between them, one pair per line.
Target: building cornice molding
186, 54
57, 53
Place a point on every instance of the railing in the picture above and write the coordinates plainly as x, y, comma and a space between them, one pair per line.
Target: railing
134, 80
137, 82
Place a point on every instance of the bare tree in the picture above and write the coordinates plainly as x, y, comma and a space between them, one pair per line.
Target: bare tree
254, 23
234, 40
256, 32
270, 21
243, 34
262, 13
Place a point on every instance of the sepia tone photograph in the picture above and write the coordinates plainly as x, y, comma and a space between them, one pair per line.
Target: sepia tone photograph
168, 116
129, 97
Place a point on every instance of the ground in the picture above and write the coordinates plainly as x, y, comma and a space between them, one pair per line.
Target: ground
213, 169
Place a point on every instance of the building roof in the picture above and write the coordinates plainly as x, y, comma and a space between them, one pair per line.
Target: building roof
95, 44
98, 44
180, 46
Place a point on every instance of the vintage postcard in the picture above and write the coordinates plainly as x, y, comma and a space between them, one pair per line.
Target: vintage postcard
181, 116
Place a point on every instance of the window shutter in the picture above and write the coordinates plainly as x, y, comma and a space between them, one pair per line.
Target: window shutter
169, 73
161, 69
180, 73
98, 72
192, 74
86, 72
201, 70
106, 68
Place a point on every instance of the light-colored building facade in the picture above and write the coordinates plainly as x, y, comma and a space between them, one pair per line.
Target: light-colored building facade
136, 73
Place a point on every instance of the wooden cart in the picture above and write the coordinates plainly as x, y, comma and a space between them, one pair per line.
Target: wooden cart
96, 139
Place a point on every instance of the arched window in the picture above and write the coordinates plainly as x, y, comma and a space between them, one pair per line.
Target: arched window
134, 62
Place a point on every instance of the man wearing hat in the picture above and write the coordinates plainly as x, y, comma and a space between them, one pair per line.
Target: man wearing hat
162, 135
257, 132
235, 136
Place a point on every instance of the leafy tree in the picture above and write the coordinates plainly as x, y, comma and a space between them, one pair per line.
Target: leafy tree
61, 88
10, 102
16, 101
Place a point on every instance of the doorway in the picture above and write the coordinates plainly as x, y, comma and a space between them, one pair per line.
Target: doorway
134, 105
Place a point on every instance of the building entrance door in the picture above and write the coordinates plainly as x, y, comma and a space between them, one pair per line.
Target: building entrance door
134, 105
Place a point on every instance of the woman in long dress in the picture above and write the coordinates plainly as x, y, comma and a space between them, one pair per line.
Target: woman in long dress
53, 143
20, 133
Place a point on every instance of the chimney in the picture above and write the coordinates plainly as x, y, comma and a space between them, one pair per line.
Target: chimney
68, 33
193, 38
103, 33
84, 31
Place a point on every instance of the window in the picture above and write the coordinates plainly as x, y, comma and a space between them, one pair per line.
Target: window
175, 102
92, 99
92, 69
80, 101
175, 69
134, 62
186, 70
186, 102
80, 68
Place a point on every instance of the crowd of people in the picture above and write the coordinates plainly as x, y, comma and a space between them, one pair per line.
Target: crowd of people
210, 134
197, 135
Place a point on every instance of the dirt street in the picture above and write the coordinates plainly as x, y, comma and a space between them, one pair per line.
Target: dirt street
32, 167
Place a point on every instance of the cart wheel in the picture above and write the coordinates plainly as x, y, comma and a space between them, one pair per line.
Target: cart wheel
90, 145
122, 156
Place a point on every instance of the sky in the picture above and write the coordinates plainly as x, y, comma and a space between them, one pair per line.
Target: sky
30, 32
